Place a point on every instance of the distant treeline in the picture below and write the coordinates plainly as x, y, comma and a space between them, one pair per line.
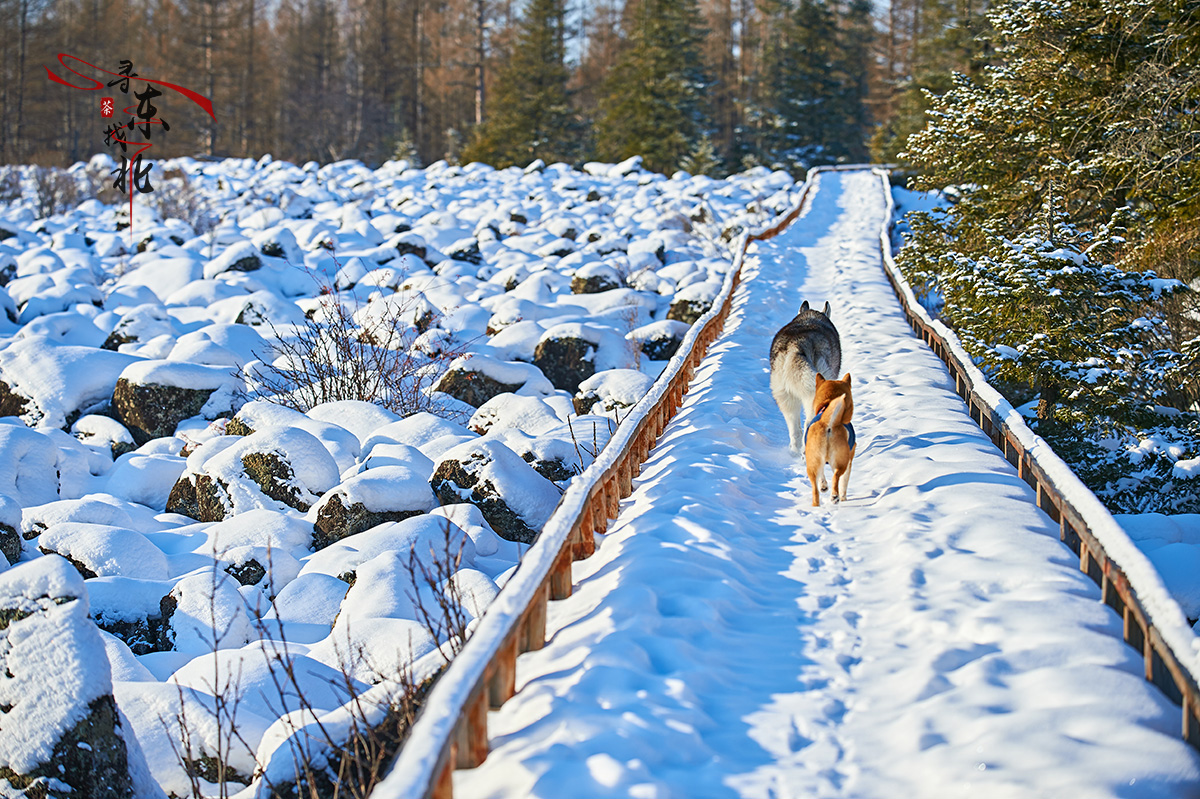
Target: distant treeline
709, 86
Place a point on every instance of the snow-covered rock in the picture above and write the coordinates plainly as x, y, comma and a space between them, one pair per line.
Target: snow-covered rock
693, 301
101, 550
475, 379
49, 385
572, 352
383, 494
151, 398
10, 526
61, 734
103, 432
514, 498
658, 341
28, 466
611, 390
274, 468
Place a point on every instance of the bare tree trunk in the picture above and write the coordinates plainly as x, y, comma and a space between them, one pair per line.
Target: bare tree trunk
5, 139
386, 87
357, 82
23, 31
250, 87
480, 55
419, 81
210, 73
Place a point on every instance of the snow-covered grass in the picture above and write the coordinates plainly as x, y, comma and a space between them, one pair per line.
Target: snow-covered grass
123, 351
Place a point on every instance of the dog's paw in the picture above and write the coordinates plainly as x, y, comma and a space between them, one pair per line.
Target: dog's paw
824, 484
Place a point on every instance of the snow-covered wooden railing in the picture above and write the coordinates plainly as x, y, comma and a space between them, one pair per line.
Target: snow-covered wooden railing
1129, 583
451, 731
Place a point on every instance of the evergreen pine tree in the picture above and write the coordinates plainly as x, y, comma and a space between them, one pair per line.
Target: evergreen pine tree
653, 103
530, 113
810, 107
1048, 308
1076, 161
1096, 103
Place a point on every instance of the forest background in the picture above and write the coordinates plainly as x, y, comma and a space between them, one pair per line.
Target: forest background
714, 86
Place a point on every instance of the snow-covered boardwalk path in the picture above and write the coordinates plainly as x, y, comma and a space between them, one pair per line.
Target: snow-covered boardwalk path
928, 638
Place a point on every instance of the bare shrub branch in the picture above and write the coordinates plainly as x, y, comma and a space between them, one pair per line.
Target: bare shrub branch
55, 190
347, 351
176, 198
10, 184
437, 597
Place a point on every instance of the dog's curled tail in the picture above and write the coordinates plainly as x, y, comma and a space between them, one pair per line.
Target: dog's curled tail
833, 414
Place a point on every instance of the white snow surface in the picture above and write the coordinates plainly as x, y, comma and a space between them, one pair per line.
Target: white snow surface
385, 488
179, 374
930, 637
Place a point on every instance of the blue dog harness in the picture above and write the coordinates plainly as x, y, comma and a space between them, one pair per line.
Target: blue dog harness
817, 418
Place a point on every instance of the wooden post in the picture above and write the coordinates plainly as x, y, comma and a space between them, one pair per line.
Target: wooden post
584, 543
444, 788
533, 623
586, 525
1148, 652
503, 681
1191, 720
612, 492
1026, 472
560, 574
1012, 452
472, 731
1045, 501
596, 507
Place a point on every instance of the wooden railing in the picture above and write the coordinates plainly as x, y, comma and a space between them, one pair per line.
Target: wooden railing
1129, 583
451, 731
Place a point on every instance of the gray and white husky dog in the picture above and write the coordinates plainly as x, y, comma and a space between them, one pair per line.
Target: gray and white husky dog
803, 347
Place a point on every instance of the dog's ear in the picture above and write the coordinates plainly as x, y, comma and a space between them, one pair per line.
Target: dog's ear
804, 306
826, 311
846, 379
820, 378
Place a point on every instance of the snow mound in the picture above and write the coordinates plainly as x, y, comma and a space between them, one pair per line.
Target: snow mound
101, 550
52, 382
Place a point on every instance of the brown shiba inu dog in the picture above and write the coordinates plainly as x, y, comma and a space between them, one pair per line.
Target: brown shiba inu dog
830, 437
